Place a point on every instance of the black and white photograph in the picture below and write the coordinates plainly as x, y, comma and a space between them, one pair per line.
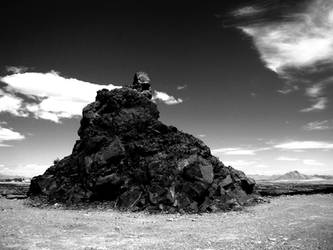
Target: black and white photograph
192, 125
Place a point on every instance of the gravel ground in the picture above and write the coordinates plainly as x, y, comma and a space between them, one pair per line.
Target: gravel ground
288, 222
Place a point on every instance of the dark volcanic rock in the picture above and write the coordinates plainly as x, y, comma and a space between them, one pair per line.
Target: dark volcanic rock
126, 155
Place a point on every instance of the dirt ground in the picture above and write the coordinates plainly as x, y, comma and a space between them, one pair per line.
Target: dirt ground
288, 222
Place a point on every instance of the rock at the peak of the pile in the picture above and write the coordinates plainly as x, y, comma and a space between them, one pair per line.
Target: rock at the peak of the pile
127, 156
141, 83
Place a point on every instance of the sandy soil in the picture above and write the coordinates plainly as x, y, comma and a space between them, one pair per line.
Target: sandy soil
288, 222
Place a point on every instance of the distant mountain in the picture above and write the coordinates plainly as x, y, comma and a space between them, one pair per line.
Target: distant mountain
293, 175
325, 177
4, 177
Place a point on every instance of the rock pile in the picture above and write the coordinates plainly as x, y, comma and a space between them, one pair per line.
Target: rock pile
126, 155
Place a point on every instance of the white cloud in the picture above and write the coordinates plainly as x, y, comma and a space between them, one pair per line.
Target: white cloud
303, 145
247, 11
241, 152
28, 170
167, 99
180, 87
56, 97
7, 134
286, 44
320, 103
319, 125
51, 84
16, 69
12, 104
238, 151
312, 162
300, 42
60, 97
316, 92
234, 151
284, 158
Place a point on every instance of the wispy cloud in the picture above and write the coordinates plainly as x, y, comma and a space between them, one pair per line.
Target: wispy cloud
312, 162
16, 69
317, 95
285, 158
7, 134
285, 43
319, 125
304, 145
53, 97
247, 11
165, 98
299, 41
319, 103
238, 151
288, 88
181, 87
234, 151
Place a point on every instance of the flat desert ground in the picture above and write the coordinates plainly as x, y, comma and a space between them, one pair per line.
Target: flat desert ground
287, 222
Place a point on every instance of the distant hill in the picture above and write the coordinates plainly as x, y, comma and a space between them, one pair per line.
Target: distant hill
4, 177
293, 175
325, 177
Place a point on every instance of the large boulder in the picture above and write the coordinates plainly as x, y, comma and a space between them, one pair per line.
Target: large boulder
126, 155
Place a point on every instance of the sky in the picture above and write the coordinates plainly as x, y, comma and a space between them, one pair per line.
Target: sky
252, 79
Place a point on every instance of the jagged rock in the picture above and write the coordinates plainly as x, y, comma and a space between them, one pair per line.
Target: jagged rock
126, 155
130, 198
226, 181
141, 83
